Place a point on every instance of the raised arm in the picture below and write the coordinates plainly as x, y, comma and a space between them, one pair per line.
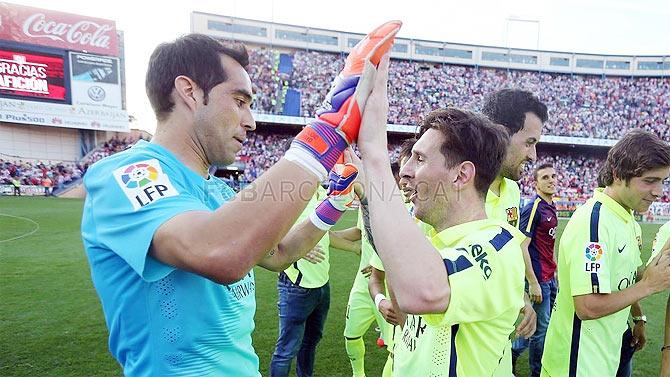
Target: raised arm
413, 266
226, 244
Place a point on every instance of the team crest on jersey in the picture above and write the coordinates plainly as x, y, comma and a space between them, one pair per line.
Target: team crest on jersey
512, 216
144, 182
594, 253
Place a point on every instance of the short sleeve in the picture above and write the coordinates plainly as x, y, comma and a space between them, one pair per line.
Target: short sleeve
588, 262
528, 222
123, 214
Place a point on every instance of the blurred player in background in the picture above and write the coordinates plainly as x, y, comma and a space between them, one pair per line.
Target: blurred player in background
304, 290
539, 222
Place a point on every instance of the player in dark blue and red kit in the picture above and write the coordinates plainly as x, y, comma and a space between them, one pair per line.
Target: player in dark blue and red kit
539, 222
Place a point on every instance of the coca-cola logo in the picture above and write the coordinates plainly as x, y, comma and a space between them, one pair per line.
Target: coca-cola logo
86, 33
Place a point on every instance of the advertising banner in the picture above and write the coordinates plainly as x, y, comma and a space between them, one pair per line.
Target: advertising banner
32, 75
95, 81
57, 29
57, 115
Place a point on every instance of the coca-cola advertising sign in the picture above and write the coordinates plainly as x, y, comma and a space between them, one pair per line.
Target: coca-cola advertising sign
57, 29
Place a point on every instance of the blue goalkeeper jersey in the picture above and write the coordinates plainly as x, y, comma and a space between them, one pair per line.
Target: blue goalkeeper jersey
162, 321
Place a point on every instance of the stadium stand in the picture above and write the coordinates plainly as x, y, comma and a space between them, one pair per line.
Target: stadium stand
62, 174
577, 171
579, 105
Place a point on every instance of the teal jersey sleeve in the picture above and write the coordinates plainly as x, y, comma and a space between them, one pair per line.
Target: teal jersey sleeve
125, 206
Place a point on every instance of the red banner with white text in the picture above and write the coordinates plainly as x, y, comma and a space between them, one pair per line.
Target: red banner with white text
32, 75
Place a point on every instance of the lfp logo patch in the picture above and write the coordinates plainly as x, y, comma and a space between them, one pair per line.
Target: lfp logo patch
139, 175
144, 182
593, 254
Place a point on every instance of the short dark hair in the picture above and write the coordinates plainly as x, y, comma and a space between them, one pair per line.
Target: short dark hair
395, 168
540, 167
636, 153
508, 107
197, 56
470, 137
406, 149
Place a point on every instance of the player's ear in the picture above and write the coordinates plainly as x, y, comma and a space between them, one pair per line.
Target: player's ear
185, 91
465, 174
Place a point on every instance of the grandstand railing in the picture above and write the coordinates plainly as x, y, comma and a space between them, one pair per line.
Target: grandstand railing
283, 120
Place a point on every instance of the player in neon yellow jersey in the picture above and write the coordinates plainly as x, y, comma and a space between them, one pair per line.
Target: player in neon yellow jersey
304, 301
361, 309
598, 260
468, 280
522, 114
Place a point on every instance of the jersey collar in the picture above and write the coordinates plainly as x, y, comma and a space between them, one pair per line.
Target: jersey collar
537, 196
491, 197
450, 236
167, 153
612, 205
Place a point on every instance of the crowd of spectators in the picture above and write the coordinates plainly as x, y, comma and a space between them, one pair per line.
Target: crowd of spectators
260, 151
266, 80
579, 105
577, 173
56, 175
114, 145
48, 175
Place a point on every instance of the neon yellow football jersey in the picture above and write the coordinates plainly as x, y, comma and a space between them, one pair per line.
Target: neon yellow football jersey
599, 252
303, 272
504, 207
486, 275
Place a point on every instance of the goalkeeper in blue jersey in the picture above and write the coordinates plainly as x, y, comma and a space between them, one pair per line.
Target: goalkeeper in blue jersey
171, 248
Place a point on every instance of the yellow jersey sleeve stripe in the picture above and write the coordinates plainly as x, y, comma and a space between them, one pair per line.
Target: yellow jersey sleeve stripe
532, 215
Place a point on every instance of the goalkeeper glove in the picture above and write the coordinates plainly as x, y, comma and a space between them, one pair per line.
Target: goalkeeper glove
340, 196
318, 146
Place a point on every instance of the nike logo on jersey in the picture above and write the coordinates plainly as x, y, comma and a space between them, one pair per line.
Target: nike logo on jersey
549, 218
621, 249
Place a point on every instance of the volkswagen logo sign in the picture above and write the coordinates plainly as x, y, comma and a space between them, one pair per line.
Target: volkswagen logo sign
96, 93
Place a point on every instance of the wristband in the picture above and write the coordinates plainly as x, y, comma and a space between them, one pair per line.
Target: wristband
642, 318
378, 298
325, 215
665, 348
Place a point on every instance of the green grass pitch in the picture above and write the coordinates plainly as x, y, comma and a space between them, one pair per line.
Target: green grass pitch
51, 322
